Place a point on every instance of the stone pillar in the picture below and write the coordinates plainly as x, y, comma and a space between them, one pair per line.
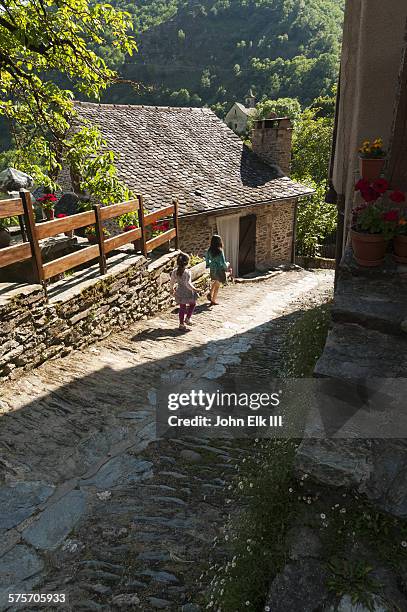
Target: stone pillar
272, 141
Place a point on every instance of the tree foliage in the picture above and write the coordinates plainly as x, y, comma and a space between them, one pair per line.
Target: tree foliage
38, 39
283, 107
281, 48
312, 146
311, 153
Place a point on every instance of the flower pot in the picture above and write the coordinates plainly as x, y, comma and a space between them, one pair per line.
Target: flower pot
92, 239
49, 214
368, 249
5, 238
371, 169
400, 249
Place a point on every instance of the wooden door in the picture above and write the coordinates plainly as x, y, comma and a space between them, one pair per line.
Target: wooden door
247, 244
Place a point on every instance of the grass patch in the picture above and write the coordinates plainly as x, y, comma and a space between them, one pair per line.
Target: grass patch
305, 341
255, 540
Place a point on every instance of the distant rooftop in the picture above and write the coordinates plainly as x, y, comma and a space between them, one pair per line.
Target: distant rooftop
244, 109
189, 153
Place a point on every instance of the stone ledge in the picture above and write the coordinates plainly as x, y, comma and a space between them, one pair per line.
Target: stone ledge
354, 352
376, 303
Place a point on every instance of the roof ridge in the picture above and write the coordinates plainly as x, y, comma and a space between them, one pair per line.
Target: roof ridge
148, 106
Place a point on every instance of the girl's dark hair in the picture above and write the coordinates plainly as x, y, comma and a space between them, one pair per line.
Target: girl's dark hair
216, 245
182, 262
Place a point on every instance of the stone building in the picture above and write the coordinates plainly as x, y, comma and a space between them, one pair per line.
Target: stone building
238, 116
367, 342
369, 104
221, 185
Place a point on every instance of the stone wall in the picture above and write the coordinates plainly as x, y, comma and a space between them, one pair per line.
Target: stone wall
274, 232
367, 344
80, 310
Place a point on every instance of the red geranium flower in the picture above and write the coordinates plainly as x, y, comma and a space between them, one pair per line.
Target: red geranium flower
369, 194
61, 215
381, 185
362, 185
391, 215
128, 228
398, 197
48, 197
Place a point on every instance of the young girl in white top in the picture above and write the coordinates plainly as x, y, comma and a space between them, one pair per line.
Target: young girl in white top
185, 292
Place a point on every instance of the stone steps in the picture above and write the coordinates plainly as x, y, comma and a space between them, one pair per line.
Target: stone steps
374, 302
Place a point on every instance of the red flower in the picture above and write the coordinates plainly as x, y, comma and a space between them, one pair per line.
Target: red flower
369, 194
398, 197
362, 185
48, 197
128, 228
381, 185
391, 215
162, 226
61, 215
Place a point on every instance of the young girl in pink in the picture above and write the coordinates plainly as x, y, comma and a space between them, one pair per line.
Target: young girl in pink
185, 292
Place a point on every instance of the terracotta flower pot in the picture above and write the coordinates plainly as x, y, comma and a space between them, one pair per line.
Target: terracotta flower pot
49, 214
371, 169
400, 249
368, 249
5, 238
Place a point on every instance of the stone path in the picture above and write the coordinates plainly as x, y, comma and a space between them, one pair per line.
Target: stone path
90, 504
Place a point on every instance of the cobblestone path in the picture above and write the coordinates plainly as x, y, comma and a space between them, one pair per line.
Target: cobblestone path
91, 505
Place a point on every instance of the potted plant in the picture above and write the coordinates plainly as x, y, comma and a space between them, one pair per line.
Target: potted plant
160, 228
400, 241
129, 222
5, 236
90, 233
371, 159
47, 202
372, 227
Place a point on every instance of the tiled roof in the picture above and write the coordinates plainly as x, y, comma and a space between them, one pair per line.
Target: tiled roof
245, 110
186, 153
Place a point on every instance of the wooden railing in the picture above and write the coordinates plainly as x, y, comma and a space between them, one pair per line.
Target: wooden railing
33, 232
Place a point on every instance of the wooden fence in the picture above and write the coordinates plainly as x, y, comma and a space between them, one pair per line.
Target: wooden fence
33, 232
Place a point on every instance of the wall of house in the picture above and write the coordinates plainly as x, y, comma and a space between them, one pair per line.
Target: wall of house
236, 120
33, 330
369, 83
274, 232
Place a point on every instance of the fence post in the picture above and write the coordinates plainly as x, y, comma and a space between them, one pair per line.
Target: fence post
142, 225
176, 224
22, 229
100, 238
32, 238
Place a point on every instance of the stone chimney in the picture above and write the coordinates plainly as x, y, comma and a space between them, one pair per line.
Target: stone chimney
272, 140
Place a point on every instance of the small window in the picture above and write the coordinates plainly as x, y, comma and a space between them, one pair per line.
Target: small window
235, 126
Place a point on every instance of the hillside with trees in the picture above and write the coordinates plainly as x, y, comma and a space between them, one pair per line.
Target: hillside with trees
211, 52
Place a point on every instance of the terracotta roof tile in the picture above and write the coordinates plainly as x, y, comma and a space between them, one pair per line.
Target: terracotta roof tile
189, 153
